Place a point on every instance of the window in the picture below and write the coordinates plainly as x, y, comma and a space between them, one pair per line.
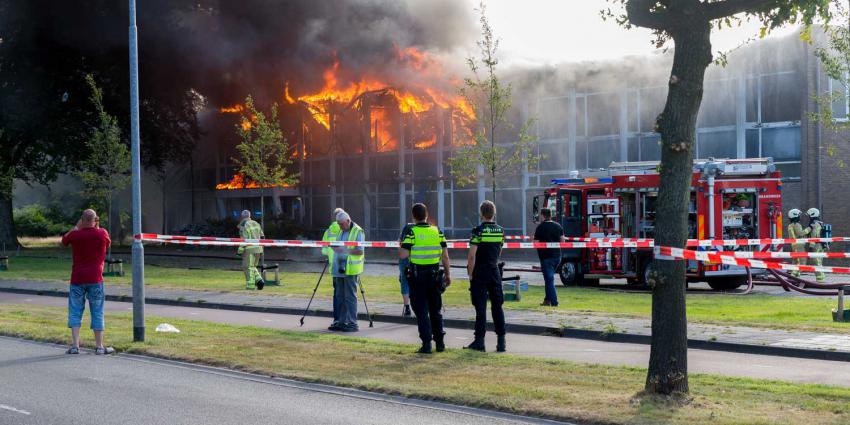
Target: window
650, 149
782, 144
839, 99
600, 153
717, 144
781, 97
718, 104
553, 118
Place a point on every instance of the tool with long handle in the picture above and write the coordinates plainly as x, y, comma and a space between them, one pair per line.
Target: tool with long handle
314, 293
363, 294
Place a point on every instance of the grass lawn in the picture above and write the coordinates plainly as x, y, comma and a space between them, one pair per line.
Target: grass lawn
798, 313
525, 385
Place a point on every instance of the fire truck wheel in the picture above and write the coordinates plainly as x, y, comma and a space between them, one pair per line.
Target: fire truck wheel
644, 275
726, 284
569, 274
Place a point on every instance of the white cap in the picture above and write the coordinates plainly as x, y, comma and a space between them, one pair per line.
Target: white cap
342, 216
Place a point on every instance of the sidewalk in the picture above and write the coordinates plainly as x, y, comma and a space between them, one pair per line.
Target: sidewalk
615, 329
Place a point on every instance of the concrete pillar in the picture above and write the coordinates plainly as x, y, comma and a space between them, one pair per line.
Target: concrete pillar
402, 177
624, 125
572, 129
441, 188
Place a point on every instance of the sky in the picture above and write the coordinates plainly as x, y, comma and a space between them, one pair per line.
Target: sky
555, 31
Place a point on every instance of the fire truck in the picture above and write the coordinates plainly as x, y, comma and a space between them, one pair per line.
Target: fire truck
730, 199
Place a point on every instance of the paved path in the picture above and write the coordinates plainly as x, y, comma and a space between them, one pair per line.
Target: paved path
42, 385
579, 350
827, 343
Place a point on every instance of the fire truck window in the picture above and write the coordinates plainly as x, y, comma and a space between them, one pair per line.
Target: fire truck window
572, 203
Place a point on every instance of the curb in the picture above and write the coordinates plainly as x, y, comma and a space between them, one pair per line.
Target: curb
617, 337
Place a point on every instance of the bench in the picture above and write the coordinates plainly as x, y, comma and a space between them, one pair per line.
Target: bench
274, 267
4, 262
512, 288
114, 267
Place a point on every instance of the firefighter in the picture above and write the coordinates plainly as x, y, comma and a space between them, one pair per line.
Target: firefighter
332, 234
796, 231
815, 230
250, 229
485, 279
425, 246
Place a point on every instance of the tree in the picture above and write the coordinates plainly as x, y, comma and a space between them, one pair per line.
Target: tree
105, 171
264, 152
491, 101
688, 23
835, 59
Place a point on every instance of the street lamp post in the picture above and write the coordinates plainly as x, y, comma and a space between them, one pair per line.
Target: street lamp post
138, 249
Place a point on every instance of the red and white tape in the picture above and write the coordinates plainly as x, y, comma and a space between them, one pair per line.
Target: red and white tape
668, 253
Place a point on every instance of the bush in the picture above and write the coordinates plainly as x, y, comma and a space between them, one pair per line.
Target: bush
39, 221
275, 228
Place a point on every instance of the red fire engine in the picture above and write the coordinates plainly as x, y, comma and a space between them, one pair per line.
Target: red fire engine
730, 199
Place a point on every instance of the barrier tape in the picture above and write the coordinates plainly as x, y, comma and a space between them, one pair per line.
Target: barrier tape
668, 253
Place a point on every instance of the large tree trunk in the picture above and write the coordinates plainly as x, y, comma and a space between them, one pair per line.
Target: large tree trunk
668, 361
8, 238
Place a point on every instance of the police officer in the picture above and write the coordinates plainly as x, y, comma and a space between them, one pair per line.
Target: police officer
485, 279
332, 234
815, 230
250, 229
425, 246
796, 231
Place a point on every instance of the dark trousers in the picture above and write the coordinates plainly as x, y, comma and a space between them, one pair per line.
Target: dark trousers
481, 291
427, 303
548, 266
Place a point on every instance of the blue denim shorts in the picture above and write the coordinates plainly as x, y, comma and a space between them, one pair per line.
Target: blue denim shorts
402, 276
77, 305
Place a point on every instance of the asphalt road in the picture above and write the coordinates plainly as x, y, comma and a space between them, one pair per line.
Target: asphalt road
578, 350
42, 385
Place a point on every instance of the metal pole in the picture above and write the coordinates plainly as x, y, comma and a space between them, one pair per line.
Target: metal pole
138, 249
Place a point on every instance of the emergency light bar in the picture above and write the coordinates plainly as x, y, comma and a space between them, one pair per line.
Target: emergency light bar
584, 180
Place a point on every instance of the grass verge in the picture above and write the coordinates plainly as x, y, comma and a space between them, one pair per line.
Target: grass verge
795, 313
524, 385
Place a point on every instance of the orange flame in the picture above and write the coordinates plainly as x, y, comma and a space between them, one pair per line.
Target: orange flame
239, 182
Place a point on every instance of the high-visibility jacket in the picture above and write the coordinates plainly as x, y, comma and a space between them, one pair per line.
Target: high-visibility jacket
354, 262
250, 229
425, 243
795, 231
331, 234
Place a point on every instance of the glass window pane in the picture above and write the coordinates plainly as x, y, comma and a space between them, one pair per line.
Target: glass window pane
792, 170
752, 137
781, 98
603, 114
783, 144
554, 156
634, 149
552, 118
581, 155
581, 113
651, 104
602, 152
718, 144
632, 105
650, 150
718, 104
839, 99
752, 100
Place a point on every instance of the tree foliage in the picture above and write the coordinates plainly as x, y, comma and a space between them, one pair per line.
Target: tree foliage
106, 169
263, 152
499, 148
688, 24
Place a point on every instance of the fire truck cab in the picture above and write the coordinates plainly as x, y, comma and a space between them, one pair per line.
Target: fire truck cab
730, 199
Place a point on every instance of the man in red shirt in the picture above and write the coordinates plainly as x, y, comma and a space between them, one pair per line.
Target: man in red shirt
88, 243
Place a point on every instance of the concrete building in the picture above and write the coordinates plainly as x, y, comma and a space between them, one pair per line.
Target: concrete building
588, 115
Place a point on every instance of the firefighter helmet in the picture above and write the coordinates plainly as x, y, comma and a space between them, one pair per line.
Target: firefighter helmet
813, 213
795, 213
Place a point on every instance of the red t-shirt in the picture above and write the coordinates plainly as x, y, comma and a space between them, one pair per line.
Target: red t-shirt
89, 252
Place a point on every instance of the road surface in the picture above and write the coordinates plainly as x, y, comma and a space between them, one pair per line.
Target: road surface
578, 350
42, 385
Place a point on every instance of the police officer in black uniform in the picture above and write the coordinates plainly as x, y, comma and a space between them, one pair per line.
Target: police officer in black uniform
425, 246
485, 279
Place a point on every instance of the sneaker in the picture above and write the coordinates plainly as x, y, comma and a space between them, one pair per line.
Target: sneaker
260, 284
73, 350
104, 350
406, 312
